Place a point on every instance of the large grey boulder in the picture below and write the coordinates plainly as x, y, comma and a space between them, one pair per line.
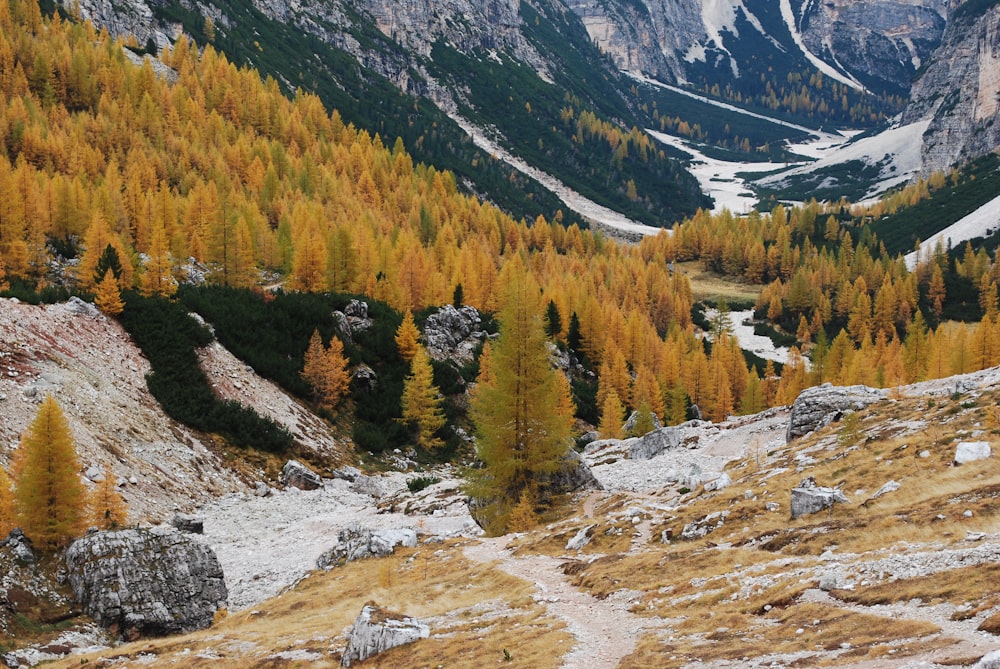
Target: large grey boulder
142, 582
819, 406
297, 475
573, 475
664, 439
358, 543
810, 498
376, 630
453, 334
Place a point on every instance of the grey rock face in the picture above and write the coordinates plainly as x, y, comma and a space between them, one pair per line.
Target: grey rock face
297, 475
810, 498
188, 523
357, 543
821, 405
573, 475
654, 443
19, 546
376, 630
958, 93
146, 581
453, 334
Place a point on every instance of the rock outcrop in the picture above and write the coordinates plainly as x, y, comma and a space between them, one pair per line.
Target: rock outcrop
376, 630
357, 543
958, 90
143, 582
453, 334
970, 451
821, 405
664, 439
573, 475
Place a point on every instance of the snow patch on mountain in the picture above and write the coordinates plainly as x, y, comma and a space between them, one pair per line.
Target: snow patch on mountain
981, 222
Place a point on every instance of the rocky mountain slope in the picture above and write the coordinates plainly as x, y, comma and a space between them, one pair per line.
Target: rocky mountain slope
959, 92
88, 363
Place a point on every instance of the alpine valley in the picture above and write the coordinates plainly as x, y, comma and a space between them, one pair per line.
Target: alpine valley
551, 334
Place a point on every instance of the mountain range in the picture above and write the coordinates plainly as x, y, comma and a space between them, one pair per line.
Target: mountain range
494, 90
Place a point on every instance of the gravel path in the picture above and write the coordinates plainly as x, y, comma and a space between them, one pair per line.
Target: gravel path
605, 630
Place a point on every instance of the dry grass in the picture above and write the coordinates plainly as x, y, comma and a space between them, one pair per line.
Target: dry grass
964, 586
707, 285
476, 613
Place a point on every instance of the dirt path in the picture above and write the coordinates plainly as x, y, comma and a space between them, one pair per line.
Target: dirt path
605, 630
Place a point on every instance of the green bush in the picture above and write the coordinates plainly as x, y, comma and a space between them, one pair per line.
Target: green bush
418, 483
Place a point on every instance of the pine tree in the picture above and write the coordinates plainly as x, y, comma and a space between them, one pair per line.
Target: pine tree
521, 432
49, 498
7, 519
109, 298
325, 370
407, 337
108, 510
422, 402
553, 321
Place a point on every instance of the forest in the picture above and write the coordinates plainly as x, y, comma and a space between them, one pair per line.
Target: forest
199, 163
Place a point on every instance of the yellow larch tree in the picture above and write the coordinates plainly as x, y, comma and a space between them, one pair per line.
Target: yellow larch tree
157, 278
407, 337
108, 297
49, 498
108, 510
325, 370
422, 401
7, 518
612, 416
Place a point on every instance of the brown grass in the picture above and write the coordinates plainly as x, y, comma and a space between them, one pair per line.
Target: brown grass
476, 612
707, 285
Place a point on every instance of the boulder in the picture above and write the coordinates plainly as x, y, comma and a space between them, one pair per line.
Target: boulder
832, 580
809, 498
970, 451
573, 475
357, 543
141, 582
629, 426
699, 528
376, 630
453, 334
364, 378
19, 546
297, 475
347, 473
655, 443
891, 486
356, 312
989, 661
723, 481
188, 523
819, 406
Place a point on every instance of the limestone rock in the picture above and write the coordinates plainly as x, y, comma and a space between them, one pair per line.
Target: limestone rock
453, 334
821, 405
629, 426
357, 543
188, 523
376, 630
699, 528
581, 538
720, 483
19, 546
809, 498
142, 582
989, 661
364, 378
347, 473
970, 451
573, 475
665, 438
297, 475
891, 486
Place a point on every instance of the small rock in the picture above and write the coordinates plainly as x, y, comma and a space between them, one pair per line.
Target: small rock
296, 475
891, 486
975, 536
968, 513
832, 580
925, 454
261, 489
347, 473
581, 538
188, 523
772, 506
970, 451
724, 481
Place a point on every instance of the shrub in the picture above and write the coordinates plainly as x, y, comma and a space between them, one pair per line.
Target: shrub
418, 483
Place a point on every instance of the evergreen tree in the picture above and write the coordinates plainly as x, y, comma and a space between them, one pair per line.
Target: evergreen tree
573, 337
521, 431
553, 321
407, 337
49, 498
108, 510
458, 297
422, 401
108, 261
109, 297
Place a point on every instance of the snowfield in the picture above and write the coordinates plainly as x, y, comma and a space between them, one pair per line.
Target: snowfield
981, 222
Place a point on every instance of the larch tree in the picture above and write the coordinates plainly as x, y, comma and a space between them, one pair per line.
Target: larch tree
407, 337
521, 430
49, 498
109, 297
325, 370
107, 508
612, 417
422, 401
7, 519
